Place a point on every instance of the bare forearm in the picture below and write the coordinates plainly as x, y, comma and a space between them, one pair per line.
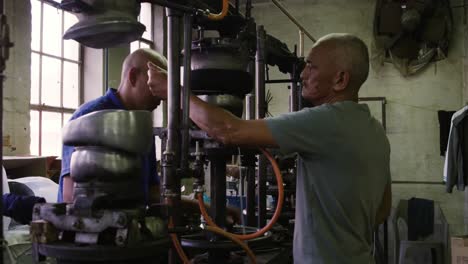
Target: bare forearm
217, 122
67, 189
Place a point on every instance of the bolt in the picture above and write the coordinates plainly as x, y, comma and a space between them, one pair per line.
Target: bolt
78, 224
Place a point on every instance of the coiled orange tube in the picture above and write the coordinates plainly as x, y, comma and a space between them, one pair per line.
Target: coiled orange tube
279, 205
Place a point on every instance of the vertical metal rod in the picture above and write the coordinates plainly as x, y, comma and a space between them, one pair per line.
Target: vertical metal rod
384, 114
186, 92
249, 162
295, 95
106, 69
248, 9
301, 44
260, 102
173, 99
171, 179
218, 201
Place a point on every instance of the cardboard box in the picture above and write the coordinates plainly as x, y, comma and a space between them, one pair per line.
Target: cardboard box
22, 166
459, 250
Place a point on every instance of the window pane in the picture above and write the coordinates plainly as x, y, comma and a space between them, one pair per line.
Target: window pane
70, 47
34, 128
145, 19
66, 118
50, 81
34, 78
71, 84
52, 31
51, 133
36, 24
134, 46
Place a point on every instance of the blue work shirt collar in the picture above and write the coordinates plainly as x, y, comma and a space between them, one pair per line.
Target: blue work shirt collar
112, 95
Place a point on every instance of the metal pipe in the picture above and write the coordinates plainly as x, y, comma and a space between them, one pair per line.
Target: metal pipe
294, 96
249, 162
106, 69
301, 44
184, 158
250, 107
171, 179
293, 19
218, 201
260, 102
248, 9
173, 99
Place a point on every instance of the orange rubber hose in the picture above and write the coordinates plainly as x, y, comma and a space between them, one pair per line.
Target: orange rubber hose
177, 245
244, 246
275, 217
223, 13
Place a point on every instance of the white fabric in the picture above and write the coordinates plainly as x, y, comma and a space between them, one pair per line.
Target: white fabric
6, 189
41, 186
449, 150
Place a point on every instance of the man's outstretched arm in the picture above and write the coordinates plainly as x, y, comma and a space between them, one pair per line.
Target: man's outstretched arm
227, 128
217, 122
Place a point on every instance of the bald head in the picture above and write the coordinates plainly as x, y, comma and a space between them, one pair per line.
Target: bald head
139, 59
349, 53
134, 91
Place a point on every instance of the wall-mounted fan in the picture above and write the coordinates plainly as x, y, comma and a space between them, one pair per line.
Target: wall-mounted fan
412, 33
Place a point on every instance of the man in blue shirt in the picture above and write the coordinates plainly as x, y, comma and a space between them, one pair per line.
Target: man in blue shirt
19, 207
133, 94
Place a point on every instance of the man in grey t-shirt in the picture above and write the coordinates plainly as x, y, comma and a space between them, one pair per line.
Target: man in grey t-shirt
343, 185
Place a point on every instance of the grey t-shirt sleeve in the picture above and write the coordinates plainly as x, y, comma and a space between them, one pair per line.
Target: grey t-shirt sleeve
300, 131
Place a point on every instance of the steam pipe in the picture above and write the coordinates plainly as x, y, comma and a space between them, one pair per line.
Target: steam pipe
186, 92
171, 155
260, 101
171, 179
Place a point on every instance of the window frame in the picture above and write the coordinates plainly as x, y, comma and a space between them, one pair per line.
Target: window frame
41, 107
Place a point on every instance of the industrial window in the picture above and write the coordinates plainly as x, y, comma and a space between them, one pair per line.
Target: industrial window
146, 18
55, 77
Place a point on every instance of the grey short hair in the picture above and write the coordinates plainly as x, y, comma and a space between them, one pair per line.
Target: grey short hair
351, 54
